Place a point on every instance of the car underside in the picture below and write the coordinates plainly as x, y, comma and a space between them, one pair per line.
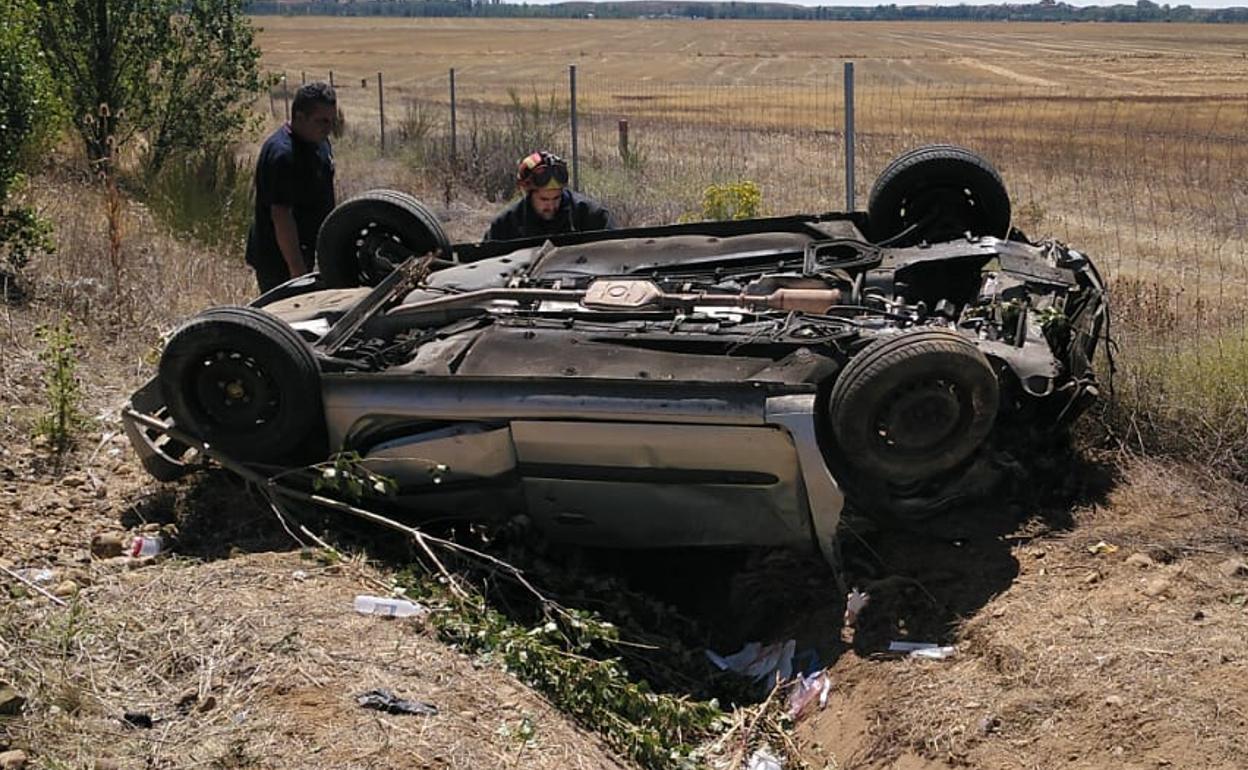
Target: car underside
701, 384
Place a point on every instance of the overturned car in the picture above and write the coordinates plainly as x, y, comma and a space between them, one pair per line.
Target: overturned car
705, 384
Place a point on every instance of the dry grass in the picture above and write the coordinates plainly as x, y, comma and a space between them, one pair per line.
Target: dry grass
1087, 660
256, 662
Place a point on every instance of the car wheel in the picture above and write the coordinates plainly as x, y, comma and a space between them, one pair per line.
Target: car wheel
351, 247
243, 382
913, 405
937, 193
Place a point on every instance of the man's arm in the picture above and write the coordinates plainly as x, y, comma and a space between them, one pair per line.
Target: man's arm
288, 239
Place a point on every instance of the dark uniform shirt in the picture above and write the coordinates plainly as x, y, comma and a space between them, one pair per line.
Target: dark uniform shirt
295, 173
576, 213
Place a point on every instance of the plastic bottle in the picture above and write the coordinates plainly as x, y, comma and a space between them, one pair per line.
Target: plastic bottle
146, 545
396, 608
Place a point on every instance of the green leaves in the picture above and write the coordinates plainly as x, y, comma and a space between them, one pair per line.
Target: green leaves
179, 74
23, 233
568, 657
25, 92
347, 475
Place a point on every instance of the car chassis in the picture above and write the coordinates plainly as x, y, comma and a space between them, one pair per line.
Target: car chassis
701, 384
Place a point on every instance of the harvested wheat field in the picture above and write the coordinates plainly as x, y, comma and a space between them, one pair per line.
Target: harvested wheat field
1153, 58
1097, 607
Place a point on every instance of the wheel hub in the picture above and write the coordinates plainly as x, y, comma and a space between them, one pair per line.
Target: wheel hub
950, 210
232, 390
922, 417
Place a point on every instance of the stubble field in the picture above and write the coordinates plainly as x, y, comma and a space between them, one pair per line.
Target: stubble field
1142, 58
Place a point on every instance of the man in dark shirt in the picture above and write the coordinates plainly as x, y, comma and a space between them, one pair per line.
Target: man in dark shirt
547, 206
294, 189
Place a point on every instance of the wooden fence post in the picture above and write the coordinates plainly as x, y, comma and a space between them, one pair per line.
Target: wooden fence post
453, 139
381, 111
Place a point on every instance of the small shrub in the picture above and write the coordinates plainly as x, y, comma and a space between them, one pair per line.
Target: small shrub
535, 124
1181, 383
732, 200
23, 234
205, 195
63, 418
495, 143
634, 157
415, 131
1191, 404
115, 216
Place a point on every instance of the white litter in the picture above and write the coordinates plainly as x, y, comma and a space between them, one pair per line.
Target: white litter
759, 662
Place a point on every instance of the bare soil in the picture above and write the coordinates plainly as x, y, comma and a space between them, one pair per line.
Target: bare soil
1097, 608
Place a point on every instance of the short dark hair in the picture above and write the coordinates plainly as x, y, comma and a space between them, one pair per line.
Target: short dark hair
312, 94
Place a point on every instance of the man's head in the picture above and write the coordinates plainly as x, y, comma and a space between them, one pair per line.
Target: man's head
542, 176
313, 112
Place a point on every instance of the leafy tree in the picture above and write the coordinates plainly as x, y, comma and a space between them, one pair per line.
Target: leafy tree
24, 92
26, 118
178, 73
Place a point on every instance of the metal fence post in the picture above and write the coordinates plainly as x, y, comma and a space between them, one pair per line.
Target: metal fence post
286, 95
576, 160
453, 141
849, 136
303, 77
381, 112
272, 106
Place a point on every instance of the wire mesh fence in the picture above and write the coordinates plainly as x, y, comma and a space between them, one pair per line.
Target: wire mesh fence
1152, 185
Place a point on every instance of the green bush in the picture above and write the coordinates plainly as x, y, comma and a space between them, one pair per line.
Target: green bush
206, 195
732, 200
27, 112
27, 118
23, 233
181, 75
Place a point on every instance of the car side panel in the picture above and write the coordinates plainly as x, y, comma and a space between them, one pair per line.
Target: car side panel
646, 485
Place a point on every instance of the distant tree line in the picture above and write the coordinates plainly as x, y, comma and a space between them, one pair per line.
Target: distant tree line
1045, 10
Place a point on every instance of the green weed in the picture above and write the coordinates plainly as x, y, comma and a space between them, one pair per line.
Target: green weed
63, 418
1190, 403
206, 196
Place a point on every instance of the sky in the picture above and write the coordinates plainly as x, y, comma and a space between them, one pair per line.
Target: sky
872, 3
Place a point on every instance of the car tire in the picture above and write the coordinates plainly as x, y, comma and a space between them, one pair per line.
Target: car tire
243, 382
913, 405
937, 193
341, 245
